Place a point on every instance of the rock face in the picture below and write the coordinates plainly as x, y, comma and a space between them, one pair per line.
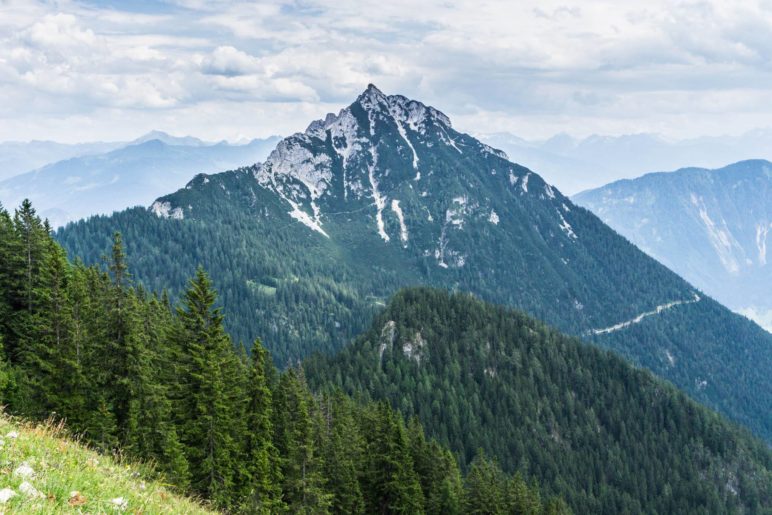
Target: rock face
713, 227
308, 244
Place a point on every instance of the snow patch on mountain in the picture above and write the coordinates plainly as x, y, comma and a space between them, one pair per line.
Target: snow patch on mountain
380, 200
549, 191
761, 242
719, 236
448, 140
512, 178
566, 227
524, 184
403, 234
494, 151
396, 115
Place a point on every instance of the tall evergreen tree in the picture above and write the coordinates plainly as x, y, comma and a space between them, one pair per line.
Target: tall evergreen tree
342, 447
392, 485
485, 488
262, 461
150, 431
37, 324
437, 470
205, 414
122, 335
302, 485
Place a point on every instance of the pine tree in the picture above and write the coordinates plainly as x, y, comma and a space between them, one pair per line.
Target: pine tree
5, 376
150, 432
262, 461
484, 488
204, 413
392, 485
122, 334
39, 322
302, 485
342, 448
437, 471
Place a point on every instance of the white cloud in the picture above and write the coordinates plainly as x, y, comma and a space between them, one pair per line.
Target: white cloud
682, 68
229, 61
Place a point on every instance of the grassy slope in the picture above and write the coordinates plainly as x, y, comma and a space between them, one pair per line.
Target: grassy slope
62, 466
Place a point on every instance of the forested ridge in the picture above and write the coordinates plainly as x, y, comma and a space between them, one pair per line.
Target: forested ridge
131, 373
609, 437
307, 246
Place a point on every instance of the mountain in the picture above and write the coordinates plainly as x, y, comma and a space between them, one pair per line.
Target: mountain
135, 376
17, 157
133, 175
575, 164
185, 141
610, 437
306, 247
48, 472
710, 226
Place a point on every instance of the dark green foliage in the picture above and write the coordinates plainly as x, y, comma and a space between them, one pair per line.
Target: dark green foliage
206, 414
303, 292
390, 479
607, 437
262, 459
131, 374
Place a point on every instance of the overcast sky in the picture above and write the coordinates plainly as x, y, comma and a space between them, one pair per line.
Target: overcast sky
90, 70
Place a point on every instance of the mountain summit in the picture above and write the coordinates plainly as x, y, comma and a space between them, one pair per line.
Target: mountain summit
306, 246
362, 154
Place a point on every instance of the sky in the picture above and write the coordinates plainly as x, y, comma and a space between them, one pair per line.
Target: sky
111, 70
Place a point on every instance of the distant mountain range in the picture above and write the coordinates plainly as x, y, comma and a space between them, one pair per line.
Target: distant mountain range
571, 164
713, 227
134, 174
306, 246
575, 164
17, 157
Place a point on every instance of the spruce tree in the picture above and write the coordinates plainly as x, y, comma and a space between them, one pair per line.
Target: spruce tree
302, 484
342, 448
262, 461
204, 413
484, 488
437, 471
7, 247
392, 485
38, 324
123, 319
5, 375
150, 433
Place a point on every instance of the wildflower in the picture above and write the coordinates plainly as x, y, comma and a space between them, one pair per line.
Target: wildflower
120, 503
6, 494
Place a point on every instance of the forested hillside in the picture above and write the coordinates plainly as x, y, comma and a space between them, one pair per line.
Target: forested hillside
710, 226
611, 438
308, 245
130, 373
